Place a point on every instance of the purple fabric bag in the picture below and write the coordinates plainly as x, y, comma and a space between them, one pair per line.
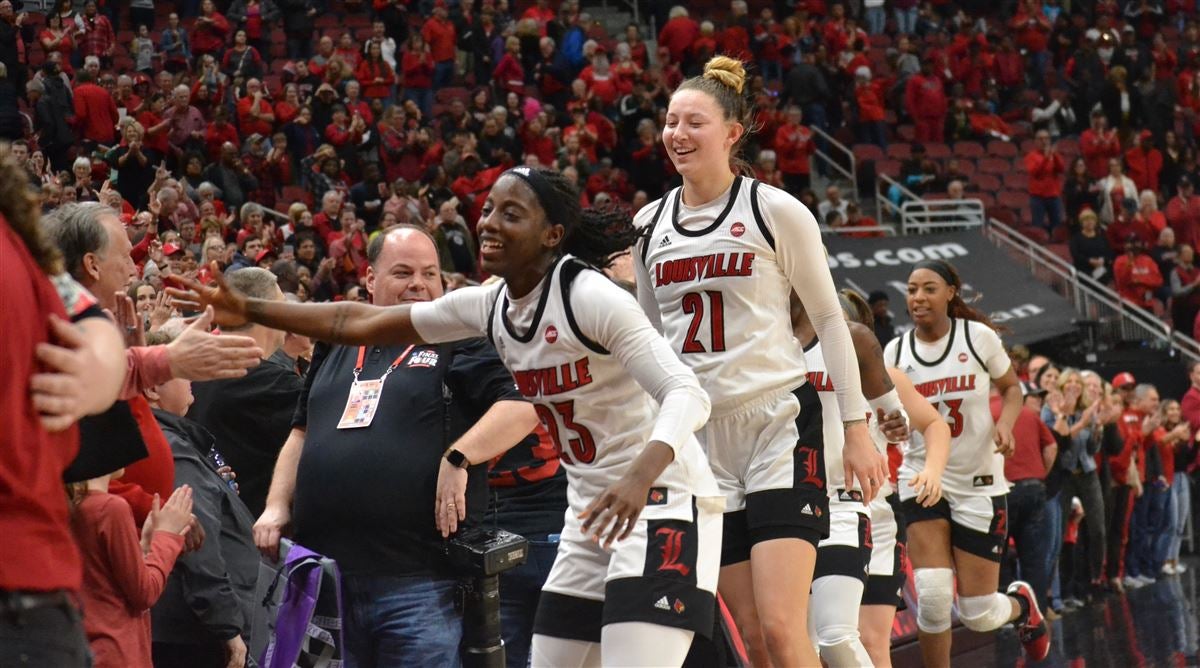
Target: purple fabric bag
307, 614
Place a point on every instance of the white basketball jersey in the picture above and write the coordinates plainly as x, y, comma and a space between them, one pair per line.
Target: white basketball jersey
722, 297
595, 412
831, 421
956, 381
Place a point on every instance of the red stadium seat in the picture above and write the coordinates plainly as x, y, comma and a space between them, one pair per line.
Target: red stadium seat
937, 151
890, 168
1001, 149
1016, 180
864, 152
1036, 234
899, 151
987, 182
993, 166
968, 149
1061, 235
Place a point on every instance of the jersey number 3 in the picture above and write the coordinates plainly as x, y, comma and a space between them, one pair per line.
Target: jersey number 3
583, 448
693, 303
954, 416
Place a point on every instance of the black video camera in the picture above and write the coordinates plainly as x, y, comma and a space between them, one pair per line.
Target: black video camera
480, 555
482, 552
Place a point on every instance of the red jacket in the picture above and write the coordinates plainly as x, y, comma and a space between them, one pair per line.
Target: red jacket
925, 96
1130, 426
793, 149
367, 72
1183, 215
217, 135
1137, 279
870, 103
95, 113
120, 585
441, 37
210, 37
1144, 167
418, 70
677, 35
339, 136
1098, 149
509, 75
1045, 173
1033, 30
146, 477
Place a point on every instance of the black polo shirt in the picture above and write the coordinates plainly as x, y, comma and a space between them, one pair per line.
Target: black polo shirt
365, 497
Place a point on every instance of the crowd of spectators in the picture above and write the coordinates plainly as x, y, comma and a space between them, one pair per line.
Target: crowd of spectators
1102, 478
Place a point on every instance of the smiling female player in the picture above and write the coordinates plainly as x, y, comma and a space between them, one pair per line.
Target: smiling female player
637, 565
715, 273
953, 356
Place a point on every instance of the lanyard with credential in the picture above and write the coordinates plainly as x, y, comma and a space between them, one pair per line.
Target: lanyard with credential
364, 394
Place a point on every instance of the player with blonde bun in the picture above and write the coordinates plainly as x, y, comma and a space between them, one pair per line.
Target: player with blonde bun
721, 257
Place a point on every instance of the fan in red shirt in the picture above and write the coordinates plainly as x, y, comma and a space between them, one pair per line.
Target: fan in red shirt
678, 34
869, 96
602, 82
441, 36
374, 74
1144, 162
1136, 274
95, 111
254, 112
509, 74
541, 14
1099, 144
218, 133
210, 30
793, 143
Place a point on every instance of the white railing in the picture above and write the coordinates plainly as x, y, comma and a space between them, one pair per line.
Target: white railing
873, 230
884, 206
1113, 318
838, 152
928, 215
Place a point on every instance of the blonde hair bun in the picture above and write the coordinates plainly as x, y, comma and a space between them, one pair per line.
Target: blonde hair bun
726, 71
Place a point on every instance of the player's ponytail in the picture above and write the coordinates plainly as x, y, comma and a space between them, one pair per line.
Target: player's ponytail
958, 307
600, 235
856, 307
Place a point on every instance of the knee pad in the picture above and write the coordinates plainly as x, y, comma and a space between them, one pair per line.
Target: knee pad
833, 609
935, 598
845, 654
984, 613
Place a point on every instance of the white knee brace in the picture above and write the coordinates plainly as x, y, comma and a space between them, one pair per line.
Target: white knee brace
833, 616
984, 613
935, 598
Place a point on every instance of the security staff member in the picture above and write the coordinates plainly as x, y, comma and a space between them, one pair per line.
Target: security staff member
378, 435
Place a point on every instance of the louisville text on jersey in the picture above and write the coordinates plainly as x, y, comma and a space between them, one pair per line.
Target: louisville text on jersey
553, 380
714, 265
947, 385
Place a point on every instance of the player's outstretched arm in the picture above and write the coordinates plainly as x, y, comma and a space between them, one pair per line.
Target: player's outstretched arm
349, 323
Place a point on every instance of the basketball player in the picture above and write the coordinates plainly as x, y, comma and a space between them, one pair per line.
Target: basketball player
721, 260
885, 575
637, 565
844, 559
953, 356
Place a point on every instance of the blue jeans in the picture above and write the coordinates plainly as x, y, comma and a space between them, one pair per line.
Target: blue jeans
876, 20
1027, 524
1054, 543
906, 20
520, 590
1181, 508
400, 621
424, 99
443, 74
1041, 207
1148, 524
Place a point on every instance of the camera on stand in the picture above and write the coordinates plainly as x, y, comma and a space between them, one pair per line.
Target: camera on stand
482, 555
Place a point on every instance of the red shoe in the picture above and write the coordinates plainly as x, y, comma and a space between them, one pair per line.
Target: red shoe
1033, 633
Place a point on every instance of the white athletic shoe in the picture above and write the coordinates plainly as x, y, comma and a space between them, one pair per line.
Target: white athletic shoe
1131, 582
1180, 569
1169, 569
1147, 580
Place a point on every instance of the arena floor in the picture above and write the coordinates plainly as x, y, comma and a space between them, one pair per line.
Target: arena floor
1152, 626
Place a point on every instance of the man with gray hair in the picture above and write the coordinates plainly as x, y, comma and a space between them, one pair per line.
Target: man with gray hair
251, 416
1151, 510
95, 249
187, 123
